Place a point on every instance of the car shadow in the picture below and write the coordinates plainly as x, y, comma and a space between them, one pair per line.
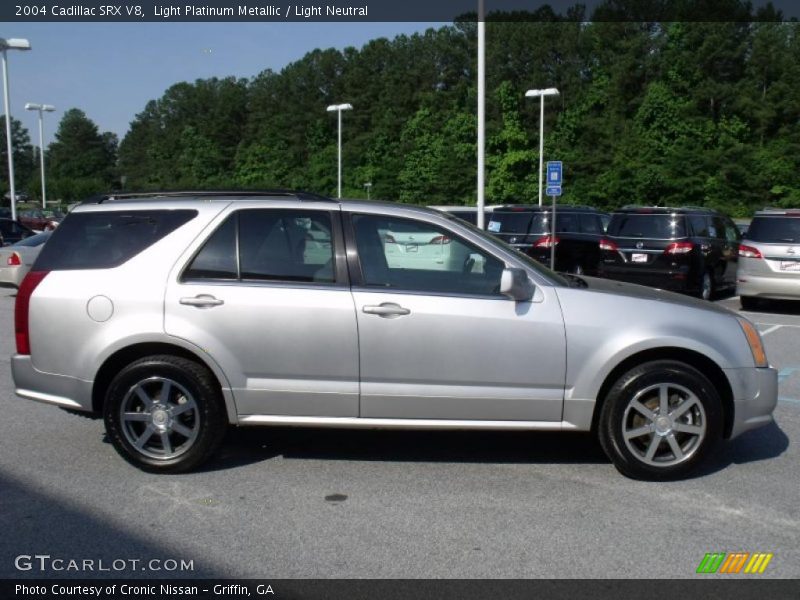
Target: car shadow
244, 446
777, 307
752, 446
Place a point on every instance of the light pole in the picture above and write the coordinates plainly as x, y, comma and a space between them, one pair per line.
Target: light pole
541, 94
5, 45
339, 108
481, 112
368, 186
42, 108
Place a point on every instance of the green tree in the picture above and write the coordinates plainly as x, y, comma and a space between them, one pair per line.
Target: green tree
24, 158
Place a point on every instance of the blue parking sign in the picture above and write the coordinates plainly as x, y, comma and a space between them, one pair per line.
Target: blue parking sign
554, 172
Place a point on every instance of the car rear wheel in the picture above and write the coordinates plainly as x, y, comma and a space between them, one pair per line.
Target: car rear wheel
707, 286
660, 420
164, 414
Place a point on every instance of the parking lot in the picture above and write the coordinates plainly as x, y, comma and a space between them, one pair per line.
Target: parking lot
302, 503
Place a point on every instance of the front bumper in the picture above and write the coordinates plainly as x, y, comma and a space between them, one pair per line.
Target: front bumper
755, 396
67, 392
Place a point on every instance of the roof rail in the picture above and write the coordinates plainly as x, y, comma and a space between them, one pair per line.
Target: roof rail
111, 196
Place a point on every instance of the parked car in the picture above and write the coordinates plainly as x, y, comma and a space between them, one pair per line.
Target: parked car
175, 315
13, 231
16, 260
528, 228
769, 258
690, 250
37, 220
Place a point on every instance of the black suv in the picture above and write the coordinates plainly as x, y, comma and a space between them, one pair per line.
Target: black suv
528, 228
692, 250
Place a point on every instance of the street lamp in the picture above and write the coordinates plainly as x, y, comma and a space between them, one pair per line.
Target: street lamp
339, 108
5, 45
368, 186
541, 94
42, 108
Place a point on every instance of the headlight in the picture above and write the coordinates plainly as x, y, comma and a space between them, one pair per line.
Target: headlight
754, 340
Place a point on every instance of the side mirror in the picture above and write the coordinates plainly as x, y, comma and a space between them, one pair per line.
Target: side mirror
515, 284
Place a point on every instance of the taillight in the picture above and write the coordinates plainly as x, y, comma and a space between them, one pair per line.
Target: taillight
13, 260
440, 239
21, 309
679, 248
608, 245
546, 242
749, 252
389, 239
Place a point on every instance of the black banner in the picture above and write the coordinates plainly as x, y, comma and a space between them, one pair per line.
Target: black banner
292, 589
392, 10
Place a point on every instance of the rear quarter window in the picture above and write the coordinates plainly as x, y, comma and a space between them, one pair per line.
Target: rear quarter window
104, 240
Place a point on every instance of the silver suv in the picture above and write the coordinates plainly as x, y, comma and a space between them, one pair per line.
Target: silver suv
769, 258
174, 315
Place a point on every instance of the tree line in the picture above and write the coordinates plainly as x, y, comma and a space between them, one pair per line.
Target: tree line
669, 113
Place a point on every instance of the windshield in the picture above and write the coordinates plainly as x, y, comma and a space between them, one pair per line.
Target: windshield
654, 226
537, 266
775, 230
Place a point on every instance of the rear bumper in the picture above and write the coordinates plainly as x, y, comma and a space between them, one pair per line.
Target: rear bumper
778, 288
67, 392
755, 396
676, 280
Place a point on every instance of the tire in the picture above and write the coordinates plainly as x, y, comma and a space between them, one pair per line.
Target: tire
748, 302
664, 445
171, 439
707, 286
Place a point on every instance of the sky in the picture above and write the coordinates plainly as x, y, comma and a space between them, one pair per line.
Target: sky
111, 70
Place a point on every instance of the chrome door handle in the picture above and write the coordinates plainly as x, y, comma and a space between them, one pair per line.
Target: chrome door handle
202, 301
387, 309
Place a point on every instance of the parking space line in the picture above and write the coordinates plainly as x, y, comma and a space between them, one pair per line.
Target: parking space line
770, 330
789, 400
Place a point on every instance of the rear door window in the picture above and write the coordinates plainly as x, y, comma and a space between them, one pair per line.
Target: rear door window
273, 245
104, 240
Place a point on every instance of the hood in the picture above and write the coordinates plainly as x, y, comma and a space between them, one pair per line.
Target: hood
632, 290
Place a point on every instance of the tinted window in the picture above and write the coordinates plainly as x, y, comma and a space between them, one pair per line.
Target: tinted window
11, 228
647, 226
523, 222
435, 262
217, 258
700, 224
567, 222
717, 228
274, 245
285, 245
591, 224
776, 230
98, 240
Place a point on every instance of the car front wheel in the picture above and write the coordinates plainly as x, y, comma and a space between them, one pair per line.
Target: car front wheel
660, 420
164, 414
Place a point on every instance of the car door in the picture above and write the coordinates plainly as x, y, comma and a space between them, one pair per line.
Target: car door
438, 341
277, 315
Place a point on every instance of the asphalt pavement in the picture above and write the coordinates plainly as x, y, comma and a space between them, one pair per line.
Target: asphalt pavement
303, 503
